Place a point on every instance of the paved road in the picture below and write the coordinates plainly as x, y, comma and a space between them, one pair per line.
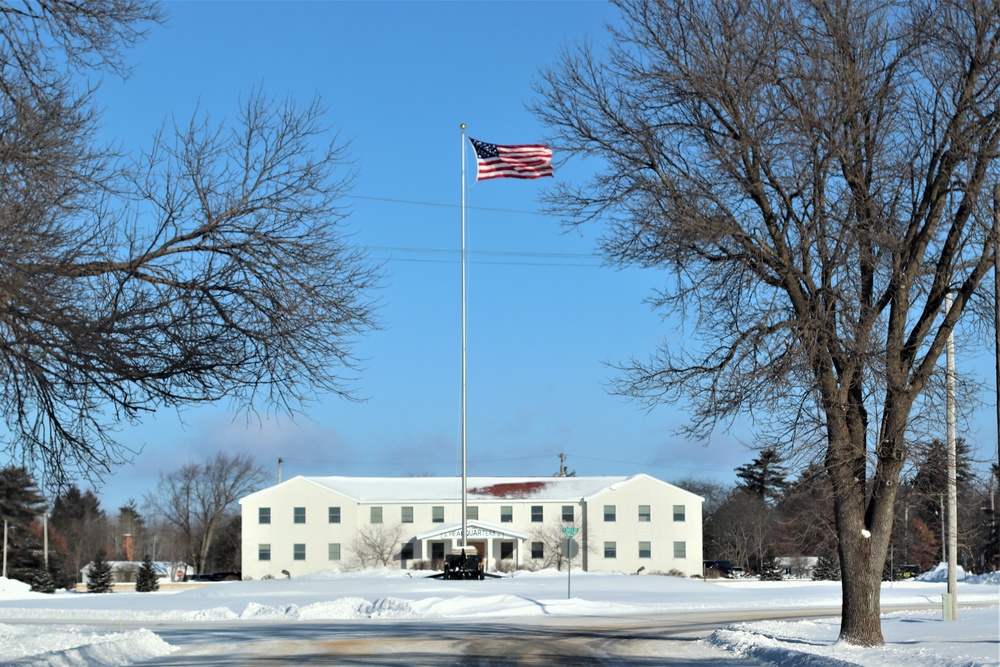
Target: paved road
644, 641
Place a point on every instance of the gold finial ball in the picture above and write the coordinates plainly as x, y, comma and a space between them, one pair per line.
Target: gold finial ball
463, 126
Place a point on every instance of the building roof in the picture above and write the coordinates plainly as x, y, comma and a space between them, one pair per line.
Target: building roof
449, 489
161, 567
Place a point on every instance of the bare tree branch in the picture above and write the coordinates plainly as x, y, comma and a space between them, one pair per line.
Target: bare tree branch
214, 266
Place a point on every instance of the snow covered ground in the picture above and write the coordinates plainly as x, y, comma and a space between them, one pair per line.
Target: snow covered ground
917, 638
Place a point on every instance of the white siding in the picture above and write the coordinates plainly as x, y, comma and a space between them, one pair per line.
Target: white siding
661, 531
316, 495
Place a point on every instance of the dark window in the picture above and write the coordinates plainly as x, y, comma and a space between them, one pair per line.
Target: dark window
610, 513
506, 514
610, 550
437, 514
472, 512
506, 550
644, 514
263, 552
536, 514
537, 550
406, 553
679, 513
437, 550
264, 515
299, 514
333, 515
644, 550
407, 515
680, 550
299, 551
567, 513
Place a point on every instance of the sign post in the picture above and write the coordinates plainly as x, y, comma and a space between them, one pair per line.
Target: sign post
569, 532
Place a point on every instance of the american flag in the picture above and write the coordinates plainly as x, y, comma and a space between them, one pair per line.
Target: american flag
522, 161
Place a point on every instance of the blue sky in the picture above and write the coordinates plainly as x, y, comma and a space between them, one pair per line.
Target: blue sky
543, 313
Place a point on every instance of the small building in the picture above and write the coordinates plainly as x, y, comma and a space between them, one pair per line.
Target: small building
625, 524
798, 567
126, 571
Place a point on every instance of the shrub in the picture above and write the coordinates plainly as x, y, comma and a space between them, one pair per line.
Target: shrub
507, 565
42, 582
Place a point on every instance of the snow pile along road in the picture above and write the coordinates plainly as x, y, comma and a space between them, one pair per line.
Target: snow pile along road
25, 646
914, 639
918, 638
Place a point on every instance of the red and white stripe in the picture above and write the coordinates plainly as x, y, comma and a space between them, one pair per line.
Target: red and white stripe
522, 161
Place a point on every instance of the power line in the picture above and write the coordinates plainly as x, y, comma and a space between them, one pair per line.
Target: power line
439, 205
586, 260
497, 253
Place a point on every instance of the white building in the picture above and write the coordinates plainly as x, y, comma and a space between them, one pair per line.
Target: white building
307, 524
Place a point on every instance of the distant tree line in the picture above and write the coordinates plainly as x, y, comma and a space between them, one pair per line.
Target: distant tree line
770, 507
191, 516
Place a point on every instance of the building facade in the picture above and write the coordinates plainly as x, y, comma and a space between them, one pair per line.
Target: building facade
625, 524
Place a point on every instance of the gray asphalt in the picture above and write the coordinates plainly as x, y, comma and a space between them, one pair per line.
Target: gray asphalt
644, 641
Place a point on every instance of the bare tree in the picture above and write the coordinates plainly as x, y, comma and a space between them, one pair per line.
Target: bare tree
553, 540
198, 499
712, 492
816, 176
805, 515
375, 545
741, 529
212, 266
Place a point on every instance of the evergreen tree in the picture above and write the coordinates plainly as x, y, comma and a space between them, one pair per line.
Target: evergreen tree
764, 477
21, 504
79, 523
20, 500
146, 580
42, 582
827, 568
100, 578
770, 568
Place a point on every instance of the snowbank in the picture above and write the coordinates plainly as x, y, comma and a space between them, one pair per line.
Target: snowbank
914, 638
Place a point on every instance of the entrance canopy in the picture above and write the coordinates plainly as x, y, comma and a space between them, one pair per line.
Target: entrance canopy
477, 531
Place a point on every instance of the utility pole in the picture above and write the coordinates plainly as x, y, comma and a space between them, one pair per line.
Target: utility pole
952, 471
996, 302
996, 355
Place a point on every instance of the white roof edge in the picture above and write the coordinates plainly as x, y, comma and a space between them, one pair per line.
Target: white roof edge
310, 480
567, 491
631, 478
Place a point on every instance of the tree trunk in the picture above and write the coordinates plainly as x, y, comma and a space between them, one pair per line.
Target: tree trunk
861, 581
864, 516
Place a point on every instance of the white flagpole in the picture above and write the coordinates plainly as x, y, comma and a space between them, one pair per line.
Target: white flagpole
465, 525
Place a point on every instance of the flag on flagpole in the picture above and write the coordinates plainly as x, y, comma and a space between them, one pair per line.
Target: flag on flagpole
521, 161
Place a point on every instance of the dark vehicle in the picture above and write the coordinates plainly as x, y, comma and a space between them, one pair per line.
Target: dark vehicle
214, 576
464, 563
718, 568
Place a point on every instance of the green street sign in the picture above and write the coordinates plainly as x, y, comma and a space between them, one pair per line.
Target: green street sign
570, 531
